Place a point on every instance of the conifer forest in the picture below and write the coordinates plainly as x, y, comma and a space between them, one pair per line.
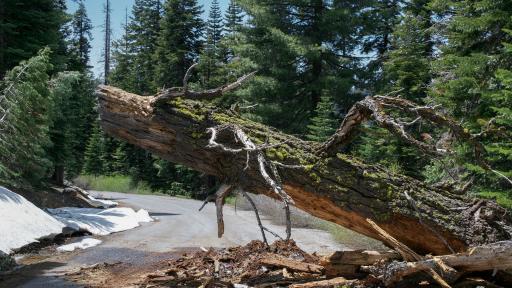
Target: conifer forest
392, 118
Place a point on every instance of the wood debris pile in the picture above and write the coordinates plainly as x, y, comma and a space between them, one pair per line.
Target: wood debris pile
283, 264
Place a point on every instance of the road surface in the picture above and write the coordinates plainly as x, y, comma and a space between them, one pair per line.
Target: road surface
179, 226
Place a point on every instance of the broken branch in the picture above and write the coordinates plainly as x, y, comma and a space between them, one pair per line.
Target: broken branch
221, 194
169, 94
187, 77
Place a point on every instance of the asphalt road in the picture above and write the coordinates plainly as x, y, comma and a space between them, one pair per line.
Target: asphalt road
179, 226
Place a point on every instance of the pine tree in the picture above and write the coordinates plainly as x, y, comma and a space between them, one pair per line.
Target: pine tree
406, 68
475, 35
63, 118
408, 64
108, 43
296, 47
133, 54
120, 164
497, 120
208, 63
79, 46
93, 161
212, 55
234, 18
143, 31
179, 42
71, 117
72, 103
24, 122
468, 76
214, 25
123, 55
324, 124
28, 26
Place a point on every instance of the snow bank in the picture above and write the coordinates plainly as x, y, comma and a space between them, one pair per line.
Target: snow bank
86, 196
99, 221
100, 203
22, 223
83, 244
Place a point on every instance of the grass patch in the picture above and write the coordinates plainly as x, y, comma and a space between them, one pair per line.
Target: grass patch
116, 183
348, 237
230, 200
503, 198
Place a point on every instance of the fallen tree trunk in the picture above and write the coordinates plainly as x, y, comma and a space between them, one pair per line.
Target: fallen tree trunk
332, 186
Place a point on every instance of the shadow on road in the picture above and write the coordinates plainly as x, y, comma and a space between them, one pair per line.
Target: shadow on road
156, 214
34, 276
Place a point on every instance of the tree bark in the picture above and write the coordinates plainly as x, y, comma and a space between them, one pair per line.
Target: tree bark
334, 187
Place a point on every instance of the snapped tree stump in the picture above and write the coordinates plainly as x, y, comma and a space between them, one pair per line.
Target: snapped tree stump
329, 185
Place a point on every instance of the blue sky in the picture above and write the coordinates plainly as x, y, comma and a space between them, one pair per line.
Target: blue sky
95, 12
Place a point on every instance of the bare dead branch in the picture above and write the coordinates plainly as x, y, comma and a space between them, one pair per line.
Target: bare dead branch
257, 214
221, 194
279, 164
187, 77
206, 201
249, 146
169, 94
407, 253
212, 143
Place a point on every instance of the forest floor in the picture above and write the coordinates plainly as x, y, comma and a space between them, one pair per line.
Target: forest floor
179, 227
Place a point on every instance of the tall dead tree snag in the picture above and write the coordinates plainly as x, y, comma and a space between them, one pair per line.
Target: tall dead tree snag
315, 177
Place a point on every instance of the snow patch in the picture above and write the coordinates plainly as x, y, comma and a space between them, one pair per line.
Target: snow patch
99, 221
22, 223
83, 244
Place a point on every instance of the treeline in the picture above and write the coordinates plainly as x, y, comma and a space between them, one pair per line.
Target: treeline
315, 59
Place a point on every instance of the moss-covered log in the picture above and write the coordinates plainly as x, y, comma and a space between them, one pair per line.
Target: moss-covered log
337, 188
